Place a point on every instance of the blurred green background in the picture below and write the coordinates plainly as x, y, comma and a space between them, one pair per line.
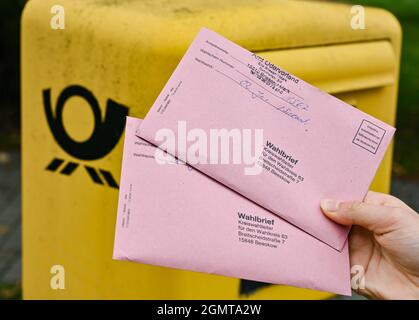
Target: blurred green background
9, 73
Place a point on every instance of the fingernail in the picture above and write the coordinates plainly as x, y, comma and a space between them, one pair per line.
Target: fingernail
329, 205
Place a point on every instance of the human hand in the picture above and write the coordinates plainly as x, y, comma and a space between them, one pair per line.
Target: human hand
384, 241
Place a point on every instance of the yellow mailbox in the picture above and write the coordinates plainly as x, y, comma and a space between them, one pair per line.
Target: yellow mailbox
88, 63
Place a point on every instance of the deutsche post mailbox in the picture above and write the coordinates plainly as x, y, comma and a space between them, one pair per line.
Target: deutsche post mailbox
107, 59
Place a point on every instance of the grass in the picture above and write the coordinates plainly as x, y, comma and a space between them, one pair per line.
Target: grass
406, 155
10, 291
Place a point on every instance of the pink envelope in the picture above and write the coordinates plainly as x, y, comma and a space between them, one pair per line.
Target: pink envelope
314, 146
175, 216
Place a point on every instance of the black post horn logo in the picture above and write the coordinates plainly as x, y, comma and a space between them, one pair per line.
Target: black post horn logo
105, 136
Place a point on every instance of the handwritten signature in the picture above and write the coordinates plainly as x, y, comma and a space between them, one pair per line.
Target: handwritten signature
287, 111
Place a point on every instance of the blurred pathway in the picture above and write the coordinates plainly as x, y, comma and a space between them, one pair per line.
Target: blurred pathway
10, 230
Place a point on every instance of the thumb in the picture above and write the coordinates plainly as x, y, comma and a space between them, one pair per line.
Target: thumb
376, 218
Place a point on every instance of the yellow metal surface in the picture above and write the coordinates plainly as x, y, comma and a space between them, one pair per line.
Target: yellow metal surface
125, 51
